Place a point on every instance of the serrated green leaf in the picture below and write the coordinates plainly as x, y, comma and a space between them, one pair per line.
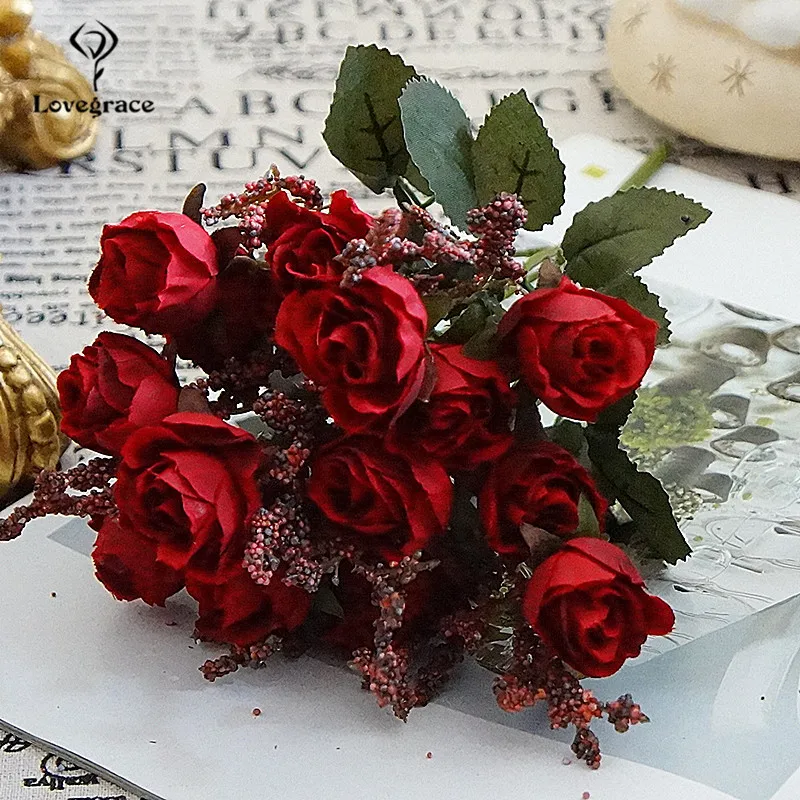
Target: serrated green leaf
636, 294
363, 129
612, 239
439, 139
640, 494
513, 153
613, 419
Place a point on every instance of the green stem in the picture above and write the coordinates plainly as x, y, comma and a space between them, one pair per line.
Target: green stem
652, 164
406, 186
535, 257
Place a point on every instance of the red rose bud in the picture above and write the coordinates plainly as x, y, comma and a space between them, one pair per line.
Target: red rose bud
539, 485
127, 564
466, 420
589, 604
114, 387
156, 272
579, 351
301, 244
188, 485
395, 502
364, 344
234, 609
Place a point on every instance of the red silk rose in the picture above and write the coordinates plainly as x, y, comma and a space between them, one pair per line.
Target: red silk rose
234, 609
395, 502
466, 419
156, 272
588, 602
244, 311
188, 485
579, 351
364, 344
114, 387
301, 244
540, 485
127, 564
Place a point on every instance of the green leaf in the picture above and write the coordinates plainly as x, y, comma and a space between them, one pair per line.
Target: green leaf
483, 345
635, 293
439, 140
467, 324
611, 240
612, 419
326, 602
438, 307
513, 153
363, 129
640, 494
569, 435
528, 426
588, 524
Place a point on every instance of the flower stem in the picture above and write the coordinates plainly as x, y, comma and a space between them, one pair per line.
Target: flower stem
652, 164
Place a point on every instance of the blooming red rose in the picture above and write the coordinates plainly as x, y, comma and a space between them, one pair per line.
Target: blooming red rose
540, 485
466, 419
156, 272
364, 344
579, 351
395, 502
111, 389
188, 485
234, 609
245, 306
301, 244
127, 564
588, 602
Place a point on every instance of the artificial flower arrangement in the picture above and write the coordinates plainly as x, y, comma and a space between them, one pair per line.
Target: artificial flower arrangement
364, 464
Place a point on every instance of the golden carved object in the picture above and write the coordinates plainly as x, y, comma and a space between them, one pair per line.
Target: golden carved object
30, 68
29, 414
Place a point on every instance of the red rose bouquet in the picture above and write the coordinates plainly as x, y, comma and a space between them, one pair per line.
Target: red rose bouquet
364, 464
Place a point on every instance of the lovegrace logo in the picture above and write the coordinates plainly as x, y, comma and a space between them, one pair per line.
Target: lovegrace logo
95, 41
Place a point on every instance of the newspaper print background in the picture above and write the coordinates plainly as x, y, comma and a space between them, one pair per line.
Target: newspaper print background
239, 84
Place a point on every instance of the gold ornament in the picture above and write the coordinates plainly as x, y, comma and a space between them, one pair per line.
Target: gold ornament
32, 67
29, 414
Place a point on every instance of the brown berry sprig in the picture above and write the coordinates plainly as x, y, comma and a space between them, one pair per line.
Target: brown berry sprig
254, 657
587, 747
496, 225
623, 712
385, 670
536, 675
280, 534
52, 495
250, 205
237, 385
568, 702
